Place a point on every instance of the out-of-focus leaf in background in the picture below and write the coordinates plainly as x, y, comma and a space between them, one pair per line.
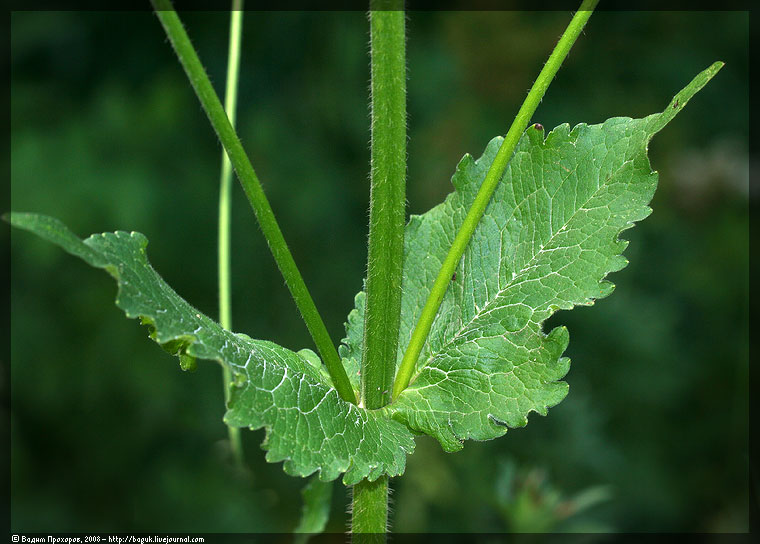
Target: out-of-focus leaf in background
106, 134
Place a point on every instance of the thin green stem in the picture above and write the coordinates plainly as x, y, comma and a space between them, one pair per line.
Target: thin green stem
252, 187
225, 189
369, 509
504, 155
387, 204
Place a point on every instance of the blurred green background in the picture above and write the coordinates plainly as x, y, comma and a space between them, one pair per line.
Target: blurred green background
109, 435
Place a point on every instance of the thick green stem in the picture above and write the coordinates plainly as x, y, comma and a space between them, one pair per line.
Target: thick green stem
429, 311
252, 187
386, 240
387, 205
369, 510
225, 189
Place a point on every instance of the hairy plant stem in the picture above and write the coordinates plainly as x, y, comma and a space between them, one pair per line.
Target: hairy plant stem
369, 511
387, 204
252, 187
386, 236
225, 189
504, 155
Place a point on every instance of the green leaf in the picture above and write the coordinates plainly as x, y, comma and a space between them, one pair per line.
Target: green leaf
308, 425
546, 242
316, 509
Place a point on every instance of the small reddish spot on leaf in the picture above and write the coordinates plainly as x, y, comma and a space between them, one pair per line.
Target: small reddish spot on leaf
538, 126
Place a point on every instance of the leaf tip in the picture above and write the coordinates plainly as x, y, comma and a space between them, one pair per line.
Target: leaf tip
682, 98
536, 133
607, 287
188, 363
448, 439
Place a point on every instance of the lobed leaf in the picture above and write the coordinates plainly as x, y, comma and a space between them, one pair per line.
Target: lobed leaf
308, 425
547, 240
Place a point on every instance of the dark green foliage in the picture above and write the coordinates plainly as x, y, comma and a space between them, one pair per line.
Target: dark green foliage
108, 148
